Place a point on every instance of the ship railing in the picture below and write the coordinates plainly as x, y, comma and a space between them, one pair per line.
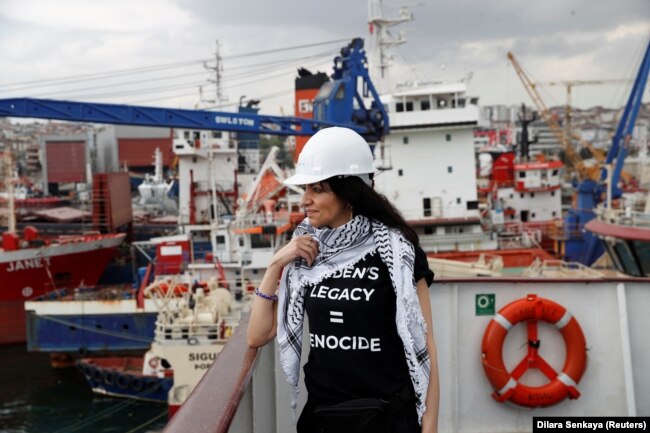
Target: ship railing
625, 217
431, 241
192, 333
260, 219
235, 394
440, 212
557, 268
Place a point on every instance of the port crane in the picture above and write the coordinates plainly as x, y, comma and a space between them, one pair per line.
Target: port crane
342, 101
583, 246
562, 136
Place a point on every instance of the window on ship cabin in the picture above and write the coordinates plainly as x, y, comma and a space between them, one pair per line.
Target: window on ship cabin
399, 107
473, 101
450, 169
426, 204
461, 103
627, 259
425, 105
400, 172
409, 105
448, 137
216, 134
457, 200
643, 254
522, 174
405, 139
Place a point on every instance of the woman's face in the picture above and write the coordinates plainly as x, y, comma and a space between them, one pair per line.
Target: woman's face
323, 207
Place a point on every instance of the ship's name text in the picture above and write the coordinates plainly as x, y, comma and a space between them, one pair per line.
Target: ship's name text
207, 358
23, 265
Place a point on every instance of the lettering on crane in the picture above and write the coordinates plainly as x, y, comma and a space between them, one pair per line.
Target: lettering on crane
234, 121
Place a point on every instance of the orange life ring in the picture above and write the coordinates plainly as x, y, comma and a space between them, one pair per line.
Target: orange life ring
506, 385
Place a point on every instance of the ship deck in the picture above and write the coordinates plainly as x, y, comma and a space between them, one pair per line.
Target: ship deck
245, 392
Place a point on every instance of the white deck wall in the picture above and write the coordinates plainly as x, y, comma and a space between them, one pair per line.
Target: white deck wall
425, 162
612, 314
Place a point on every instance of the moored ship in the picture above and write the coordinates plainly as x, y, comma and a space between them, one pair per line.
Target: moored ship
31, 266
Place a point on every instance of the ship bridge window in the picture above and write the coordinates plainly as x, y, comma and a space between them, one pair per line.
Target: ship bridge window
473, 101
260, 241
186, 134
399, 107
448, 137
425, 105
522, 174
555, 172
643, 254
409, 105
626, 258
461, 103
217, 134
405, 139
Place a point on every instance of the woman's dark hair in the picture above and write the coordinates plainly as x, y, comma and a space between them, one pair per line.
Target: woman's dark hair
371, 204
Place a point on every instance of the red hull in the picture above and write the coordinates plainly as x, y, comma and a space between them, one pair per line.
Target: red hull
28, 273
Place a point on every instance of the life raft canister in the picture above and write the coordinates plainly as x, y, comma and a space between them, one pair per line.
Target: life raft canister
506, 385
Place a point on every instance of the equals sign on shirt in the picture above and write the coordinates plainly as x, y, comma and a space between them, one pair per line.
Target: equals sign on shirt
336, 316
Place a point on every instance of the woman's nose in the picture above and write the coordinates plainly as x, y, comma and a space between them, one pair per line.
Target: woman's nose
305, 199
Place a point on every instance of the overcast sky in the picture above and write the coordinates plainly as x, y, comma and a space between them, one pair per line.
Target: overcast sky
160, 46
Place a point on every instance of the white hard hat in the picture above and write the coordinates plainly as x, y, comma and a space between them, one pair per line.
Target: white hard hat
333, 151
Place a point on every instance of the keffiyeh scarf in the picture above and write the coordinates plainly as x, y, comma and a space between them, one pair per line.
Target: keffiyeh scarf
341, 248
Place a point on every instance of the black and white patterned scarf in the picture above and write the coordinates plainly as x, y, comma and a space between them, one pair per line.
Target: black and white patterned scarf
342, 248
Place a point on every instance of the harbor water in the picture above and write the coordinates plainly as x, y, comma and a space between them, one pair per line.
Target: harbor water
36, 398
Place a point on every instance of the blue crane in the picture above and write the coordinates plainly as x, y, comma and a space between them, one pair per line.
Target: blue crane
587, 248
340, 102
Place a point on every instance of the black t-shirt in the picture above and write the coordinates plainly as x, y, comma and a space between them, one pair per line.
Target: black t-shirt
355, 350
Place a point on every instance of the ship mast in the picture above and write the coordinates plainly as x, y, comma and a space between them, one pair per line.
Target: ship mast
381, 40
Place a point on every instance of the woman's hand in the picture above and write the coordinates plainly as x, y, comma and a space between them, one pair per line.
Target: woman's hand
263, 323
304, 247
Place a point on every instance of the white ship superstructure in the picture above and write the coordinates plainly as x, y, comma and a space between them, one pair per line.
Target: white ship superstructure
428, 164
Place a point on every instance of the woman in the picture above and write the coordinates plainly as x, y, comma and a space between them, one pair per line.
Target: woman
355, 268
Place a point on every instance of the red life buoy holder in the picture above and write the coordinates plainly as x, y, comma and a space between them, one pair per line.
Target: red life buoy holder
506, 385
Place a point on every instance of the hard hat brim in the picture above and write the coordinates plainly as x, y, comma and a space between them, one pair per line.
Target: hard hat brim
303, 179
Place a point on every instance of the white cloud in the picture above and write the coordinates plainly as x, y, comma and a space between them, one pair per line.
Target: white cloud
98, 15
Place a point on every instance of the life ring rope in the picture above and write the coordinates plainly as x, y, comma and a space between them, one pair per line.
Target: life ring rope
506, 384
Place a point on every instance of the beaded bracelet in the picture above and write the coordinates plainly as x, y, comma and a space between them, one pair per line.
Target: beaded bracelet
265, 296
